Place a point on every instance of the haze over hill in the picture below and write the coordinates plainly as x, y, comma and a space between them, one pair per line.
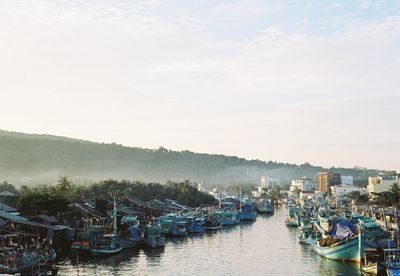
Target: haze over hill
34, 158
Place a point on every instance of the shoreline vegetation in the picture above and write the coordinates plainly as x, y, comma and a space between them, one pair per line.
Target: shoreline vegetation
55, 198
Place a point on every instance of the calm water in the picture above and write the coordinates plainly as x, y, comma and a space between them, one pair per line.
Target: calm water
265, 247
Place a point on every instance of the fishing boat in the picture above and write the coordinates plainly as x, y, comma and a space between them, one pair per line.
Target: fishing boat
373, 232
247, 212
180, 228
195, 225
87, 239
294, 221
265, 207
229, 217
342, 243
108, 244
293, 218
174, 224
154, 237
391, 261
18, 259
370, 261
212, 221
131, 234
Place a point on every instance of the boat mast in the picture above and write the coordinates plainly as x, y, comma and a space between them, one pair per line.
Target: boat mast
115, 217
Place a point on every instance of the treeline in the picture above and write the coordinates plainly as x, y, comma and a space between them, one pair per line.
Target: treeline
28, 158
55, 198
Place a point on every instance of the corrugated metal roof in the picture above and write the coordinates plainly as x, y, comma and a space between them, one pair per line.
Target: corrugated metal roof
8, 216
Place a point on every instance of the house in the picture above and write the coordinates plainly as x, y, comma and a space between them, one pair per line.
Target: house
45, 219
9, 209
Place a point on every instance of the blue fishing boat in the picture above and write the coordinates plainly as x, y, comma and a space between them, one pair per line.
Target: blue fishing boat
213, 221
247, 212
342, 243
392, 261
265, 207
229, 217
131, 234
173, 224
196, 225
154, 237
108, 244
293, 218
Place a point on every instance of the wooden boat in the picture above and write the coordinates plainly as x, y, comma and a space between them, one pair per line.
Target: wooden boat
229, 217
247, 212
212, 221
154, 237
265, 207
87, 239
108, 245
132, 235
293, 218
342, 243
391, 261
370, 261
173, 224
195, 225
294, 221
180, 228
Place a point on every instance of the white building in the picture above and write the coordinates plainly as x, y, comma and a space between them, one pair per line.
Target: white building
341, 190
257, 193
382, 183
269, 181
347, 180
304, 185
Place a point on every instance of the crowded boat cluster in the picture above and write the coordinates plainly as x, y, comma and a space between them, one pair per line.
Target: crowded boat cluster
338, 229
132, 232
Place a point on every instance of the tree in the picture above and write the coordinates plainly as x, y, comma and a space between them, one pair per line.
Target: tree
7, 187
388, 198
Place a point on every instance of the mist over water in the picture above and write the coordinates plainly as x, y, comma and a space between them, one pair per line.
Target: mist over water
265, 247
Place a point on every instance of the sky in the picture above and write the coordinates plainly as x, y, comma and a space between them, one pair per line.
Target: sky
290, 81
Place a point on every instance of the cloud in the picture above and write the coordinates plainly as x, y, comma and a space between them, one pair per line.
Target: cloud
151, 74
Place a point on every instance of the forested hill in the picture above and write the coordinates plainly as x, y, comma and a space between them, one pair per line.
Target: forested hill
33, 158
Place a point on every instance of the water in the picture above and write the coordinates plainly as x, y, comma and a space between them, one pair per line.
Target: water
265, 247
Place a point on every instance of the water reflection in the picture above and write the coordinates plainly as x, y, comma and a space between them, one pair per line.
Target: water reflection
265, 247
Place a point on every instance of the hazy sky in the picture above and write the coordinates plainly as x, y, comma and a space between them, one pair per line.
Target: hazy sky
291, 81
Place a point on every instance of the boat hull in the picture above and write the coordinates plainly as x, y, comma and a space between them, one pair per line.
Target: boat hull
196, 229
248, 216
80, 248
105, 251
154, 242
345, 251
370, 268
129, 243
393, 271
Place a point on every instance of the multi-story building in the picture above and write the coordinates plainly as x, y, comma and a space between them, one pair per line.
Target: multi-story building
269, 181
305, 185
382, 183
327, 179
347, 180
341, 190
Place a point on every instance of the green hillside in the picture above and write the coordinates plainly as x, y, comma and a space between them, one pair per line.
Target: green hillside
33, 158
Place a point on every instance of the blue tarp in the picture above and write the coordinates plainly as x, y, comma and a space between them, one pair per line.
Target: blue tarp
386, 244
135, 232
343, 229
247, 208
